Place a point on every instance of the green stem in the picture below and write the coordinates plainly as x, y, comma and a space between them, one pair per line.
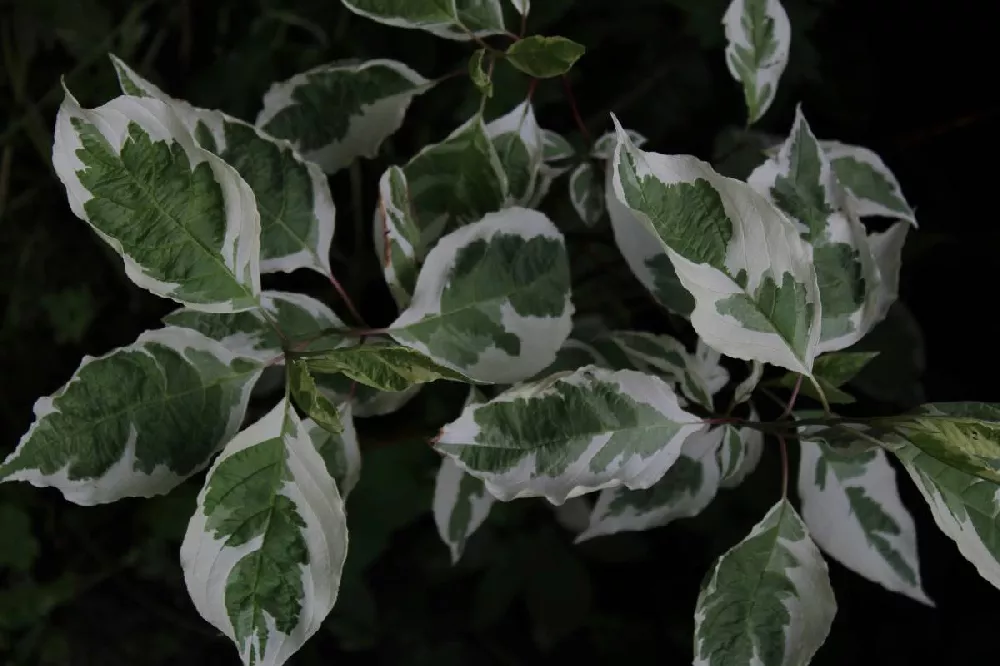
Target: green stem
820, 393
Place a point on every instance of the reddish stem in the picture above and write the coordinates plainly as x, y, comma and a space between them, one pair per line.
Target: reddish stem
347, 300
784, 466
571, 98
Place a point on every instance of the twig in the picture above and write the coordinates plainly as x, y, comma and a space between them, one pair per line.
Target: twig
571, 98
347, 300
784, 466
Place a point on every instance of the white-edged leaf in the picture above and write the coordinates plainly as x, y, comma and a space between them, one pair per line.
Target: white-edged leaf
873, 187
887, 250
767, 600
759, 37
493, 298
461, 505
740, 452
264, 551
340, 451
547, 175
965, 507
570, 434
136, 421
455, 182
460, 20
801, 182
573, 355
851, 505
555, 147
707, 363
522, 6
751, 275
604, 147
519, 145
299, 317
586, 193
746, 387
644, 253
684, 491
397, 236
297, 213
338, 112
184, 222
667, 358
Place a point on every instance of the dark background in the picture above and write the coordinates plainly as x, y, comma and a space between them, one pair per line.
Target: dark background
102, 585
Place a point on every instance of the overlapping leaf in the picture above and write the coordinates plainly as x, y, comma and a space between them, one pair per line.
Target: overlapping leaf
872, 185
852, 507
380, 365
340, 451
570, 434
751, 275
963, 435
293, 198
137, 421
461, 505
184, 222
518, 142
586, 193
666, 357
684, 491
767, 600
759, 37
492, 301
338, 112
397, 236
740, 452
264, 551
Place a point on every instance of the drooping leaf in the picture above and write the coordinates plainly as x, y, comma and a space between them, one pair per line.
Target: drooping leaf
478, 73
518, 142
852, 508
184, 222
759, 37
397, 236
299, 317
384, 366
264, 551
455, 182
746, 387
461, 505
340, 451
801, 182
740, 452
544, 57
338, 112
451, 19
293, 198
644, 254
555, 147
667, 358
604, 147
570, 434
493, 298
965, 507
137, 421
872, 185
586, 193
831, 371
684, 491
767, 600
964, 435
708, 366
308, 397
751, 275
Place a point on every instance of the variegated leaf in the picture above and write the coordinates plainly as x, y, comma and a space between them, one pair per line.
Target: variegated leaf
964, 435
965, 507
264, 551
573, 355
586, 193
461, 20
684, 491
522, 6
759, 37
555, 148
299, 317
338, 112
667, 358
493, 299
340, 451
746, 387
381, 365
184, 222
740, 452
801, 182
852, 508
397, 236
136, 421
461, 505
518, 142
644, 253
293, 197
887, 249
307, 397
604, 147
752, 276
455, 182
708, 366
570, 434
767, 600
873, 187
